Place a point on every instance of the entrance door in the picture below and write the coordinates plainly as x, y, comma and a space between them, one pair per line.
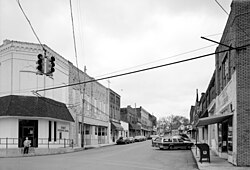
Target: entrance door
28, 131
28, 128
223, 137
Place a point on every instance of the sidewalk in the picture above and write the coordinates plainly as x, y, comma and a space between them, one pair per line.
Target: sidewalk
216, 163
13, 153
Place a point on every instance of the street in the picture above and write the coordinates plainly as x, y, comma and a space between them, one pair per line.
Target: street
136, 156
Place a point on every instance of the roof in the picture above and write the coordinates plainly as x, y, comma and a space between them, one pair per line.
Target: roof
31, 106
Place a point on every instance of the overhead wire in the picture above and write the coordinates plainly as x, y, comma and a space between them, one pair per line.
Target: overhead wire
236, 23
177, 55
146, 69
33, 30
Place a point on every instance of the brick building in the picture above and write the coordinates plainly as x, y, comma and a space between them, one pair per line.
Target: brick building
95, 113
228, 118
114, 115
129, 115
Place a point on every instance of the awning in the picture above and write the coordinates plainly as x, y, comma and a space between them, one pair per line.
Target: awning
116, 126
31, 106
213, 119
134, 126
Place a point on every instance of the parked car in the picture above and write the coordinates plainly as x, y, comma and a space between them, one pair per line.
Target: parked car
122, 140
140, 138
155, 141
131, 139
153, 136
175, 142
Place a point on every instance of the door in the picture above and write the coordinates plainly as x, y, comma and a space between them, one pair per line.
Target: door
28, 131
28, 128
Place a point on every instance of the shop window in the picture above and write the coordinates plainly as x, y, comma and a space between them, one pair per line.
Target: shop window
103, 131
55, 131
49, 139
99, 131
79, 127
87, 129
220, 136
230, 135
96, 130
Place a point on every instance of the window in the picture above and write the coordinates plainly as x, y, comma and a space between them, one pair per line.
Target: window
87, 129
79, 127
99, 131
230, 135
60, 135
96, 130
175, 140
49, 139
55, 131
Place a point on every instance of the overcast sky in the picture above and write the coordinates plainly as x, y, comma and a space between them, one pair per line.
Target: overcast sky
118, 36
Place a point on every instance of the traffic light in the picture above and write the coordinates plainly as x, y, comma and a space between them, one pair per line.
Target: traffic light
50, 65
40, 64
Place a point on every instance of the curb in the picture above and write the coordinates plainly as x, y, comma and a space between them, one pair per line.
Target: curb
57, 153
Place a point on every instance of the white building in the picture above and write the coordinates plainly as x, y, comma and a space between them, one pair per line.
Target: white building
53, 114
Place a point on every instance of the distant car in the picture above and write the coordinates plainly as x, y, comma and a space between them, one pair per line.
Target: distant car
156, 141
152, 136
174, 142
131, 139
140, 138
122, 140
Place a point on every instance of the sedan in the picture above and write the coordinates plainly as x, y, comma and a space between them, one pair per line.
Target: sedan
122, 140
174, 142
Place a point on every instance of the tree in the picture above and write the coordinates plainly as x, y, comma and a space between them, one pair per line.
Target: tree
171, 122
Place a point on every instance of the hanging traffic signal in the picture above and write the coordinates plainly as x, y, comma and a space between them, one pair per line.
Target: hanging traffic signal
50, 66
40, 64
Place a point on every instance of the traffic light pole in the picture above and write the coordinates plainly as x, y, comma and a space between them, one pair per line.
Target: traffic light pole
44, 76
83, 103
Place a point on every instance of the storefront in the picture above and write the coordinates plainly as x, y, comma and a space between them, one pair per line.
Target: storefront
44, 121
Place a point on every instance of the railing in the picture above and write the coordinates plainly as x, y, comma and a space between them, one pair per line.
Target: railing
17, 142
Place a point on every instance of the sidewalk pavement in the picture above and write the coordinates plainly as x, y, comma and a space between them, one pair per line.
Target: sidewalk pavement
17, 152
216, 163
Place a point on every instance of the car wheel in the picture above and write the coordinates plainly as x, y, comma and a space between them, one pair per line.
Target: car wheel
188, 147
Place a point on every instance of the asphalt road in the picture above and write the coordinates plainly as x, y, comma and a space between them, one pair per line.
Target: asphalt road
136, 156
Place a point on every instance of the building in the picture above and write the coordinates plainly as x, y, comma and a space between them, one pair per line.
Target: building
94, 114
114, 115
143, 115
227, 120
129, 115
45, 120
141, 122
49, 115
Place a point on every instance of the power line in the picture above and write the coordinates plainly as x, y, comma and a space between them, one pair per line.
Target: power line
236, 23
177, 55
19, 4
141, 70
221, 7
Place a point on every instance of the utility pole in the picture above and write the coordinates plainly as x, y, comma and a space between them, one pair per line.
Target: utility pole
83, 103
